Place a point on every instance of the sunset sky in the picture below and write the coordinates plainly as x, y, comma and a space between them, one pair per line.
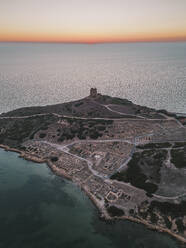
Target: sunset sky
92, 21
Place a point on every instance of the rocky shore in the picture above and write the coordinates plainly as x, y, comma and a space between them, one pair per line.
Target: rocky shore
122, 155
102, 210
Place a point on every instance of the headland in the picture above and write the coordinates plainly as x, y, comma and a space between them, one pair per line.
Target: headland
129, 159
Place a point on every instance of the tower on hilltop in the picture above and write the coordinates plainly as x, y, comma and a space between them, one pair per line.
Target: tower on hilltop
93, 92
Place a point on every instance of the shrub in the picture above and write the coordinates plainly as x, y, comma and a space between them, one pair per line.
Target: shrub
78, 104
54, 159
42, 135
114, 211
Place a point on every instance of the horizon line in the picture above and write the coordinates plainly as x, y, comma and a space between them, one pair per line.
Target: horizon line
95, 43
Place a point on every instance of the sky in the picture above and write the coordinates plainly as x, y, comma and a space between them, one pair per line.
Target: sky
92, 21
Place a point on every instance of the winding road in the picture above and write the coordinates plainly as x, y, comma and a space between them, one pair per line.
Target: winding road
65, 149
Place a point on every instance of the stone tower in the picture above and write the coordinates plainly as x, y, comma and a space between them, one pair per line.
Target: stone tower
93, 92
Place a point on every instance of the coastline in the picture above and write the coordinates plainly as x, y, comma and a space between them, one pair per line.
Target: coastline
103, 212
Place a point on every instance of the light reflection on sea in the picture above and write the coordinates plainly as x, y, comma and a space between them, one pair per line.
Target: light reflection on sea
151, 74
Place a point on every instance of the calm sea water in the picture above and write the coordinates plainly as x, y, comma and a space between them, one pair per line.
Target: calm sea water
39, 209
152, 74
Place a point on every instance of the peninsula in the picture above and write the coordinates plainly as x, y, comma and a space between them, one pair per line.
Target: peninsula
129, 159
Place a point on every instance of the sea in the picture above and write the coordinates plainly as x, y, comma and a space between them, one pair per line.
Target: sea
39, 209
151, 74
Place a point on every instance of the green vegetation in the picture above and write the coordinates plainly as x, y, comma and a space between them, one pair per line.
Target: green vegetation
91, 129
169, 209
54, 159
131, 211
18, 130
120, 101
147, 178
66, 134
114, 211
101, 128
93, 134
165, 112
167, 222
180, 226
179, 144
136, 178
44, 127
78, 104
155, 145
90, 108
154, 218
165, 209
178, 157
42, 135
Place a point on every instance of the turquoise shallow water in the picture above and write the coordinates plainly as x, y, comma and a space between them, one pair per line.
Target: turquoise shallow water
151, 74
39, 209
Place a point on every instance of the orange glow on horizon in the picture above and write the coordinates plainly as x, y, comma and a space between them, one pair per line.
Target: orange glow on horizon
87, 21
91, 39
